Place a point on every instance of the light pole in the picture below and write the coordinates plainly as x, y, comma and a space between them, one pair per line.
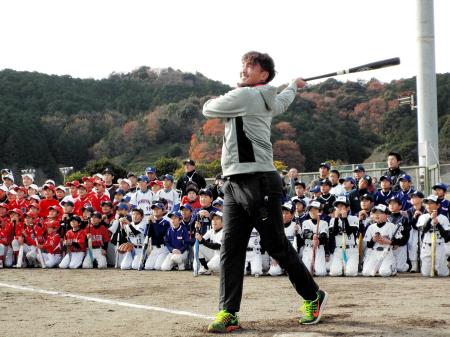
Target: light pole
64, 171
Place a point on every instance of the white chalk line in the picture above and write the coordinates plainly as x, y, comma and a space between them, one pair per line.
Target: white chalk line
105, 301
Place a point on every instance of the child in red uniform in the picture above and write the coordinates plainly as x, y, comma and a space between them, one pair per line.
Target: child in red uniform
75, 239
18, 228
99, 236
52, 246
44, 204
32, 233
6, 236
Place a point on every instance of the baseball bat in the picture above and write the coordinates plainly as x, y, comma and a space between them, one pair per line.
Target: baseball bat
365, 67
433, 252
144, 248
314, 252
89, 240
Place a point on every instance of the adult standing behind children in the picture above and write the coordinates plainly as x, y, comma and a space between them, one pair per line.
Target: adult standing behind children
253, 190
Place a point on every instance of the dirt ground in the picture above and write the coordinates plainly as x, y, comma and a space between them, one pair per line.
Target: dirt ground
406, 305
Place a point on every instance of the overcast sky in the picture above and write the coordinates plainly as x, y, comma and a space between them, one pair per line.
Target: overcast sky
91, 39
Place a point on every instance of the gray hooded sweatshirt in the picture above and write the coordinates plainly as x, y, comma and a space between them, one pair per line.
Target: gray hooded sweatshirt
248, 113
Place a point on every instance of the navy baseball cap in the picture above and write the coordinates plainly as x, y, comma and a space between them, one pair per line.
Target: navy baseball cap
288, 207
177, 214
404, 177
168, 177
326, 182
366, 197
359, 168
120, 191
218, 201
298, 200
106, 203
341, 200
97, 215
315, 189
206, 191
68, 203
143, 178
441, 186
328, 166
350, 179
186, 206
158, 205
417, 194
140, 211
122, 206
386, 178
368, 179
394, 199
150, 170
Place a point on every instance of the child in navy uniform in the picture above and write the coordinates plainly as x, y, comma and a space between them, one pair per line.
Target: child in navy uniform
157, 232
177, 242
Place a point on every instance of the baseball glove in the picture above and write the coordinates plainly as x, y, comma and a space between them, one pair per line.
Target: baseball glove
126, 247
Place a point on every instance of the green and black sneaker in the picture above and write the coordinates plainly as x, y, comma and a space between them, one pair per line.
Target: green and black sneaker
224, 322
312, 310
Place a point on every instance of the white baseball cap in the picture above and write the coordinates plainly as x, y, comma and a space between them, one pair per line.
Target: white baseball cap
29, 176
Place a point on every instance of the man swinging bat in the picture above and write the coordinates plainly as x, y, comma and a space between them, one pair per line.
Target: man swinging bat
253, 190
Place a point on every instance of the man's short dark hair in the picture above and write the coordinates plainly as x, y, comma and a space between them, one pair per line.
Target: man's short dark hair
396, 155
337, 172
264, 60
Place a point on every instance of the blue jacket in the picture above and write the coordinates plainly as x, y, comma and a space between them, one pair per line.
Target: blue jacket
177, 239
444, 207
405, 198
382, 198
157, 231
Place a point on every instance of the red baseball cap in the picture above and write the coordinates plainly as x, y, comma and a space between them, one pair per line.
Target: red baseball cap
75, 183
48, 187
17, 211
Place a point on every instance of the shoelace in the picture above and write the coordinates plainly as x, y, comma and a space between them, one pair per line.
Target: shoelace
310, 307
223, 317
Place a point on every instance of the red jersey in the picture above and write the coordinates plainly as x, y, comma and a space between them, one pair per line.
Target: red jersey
19, 228
33, 232
12, 204
90, 199
22, 204
47, 221
194, 205
6, 233
44, 204
53, 244
78, 240
99, 235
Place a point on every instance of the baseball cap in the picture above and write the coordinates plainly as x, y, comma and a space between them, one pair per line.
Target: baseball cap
108, 170
34, 187
97, 215
298, 200
431, 198
150, 170
315, 189
125, 180
61, 187
351, 179
122, 206
30, 214
28, 175
35, 197
341, 200
359, 168
53, 224
131, 174
88, 179
177, 214
48, 187
186, 206
326, 182
366, 197
17, 211
386, 178
68, 203
441, 186
140, 211
121, 191
88, 208
168, 177
367, 178
218, 201
75, 183
158, 205
287, 206
206, 191
4, 205
314, 204
192, 187
143, 178
215, 213
404, 177
6, 171
417, 194
156, 182
327, 165
189, 161
8, 176
381, 208
394, 199
50, 181
53, 208
100, 176
4, 188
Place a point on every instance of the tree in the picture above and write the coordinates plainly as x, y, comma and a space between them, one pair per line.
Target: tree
288, 152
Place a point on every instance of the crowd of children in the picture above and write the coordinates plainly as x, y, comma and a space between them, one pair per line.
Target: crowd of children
344, 227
